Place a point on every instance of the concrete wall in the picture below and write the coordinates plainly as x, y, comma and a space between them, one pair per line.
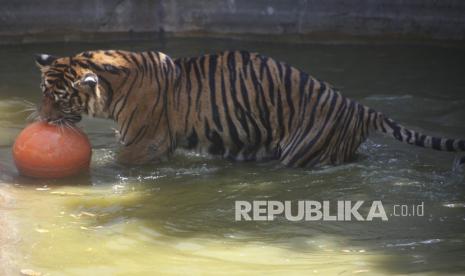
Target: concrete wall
31, 20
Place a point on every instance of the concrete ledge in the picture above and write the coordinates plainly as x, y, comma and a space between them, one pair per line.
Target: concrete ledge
71, 20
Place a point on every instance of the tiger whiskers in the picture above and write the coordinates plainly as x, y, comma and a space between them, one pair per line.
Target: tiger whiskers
28, 103
62, 123
70, 126
31, 109
33, 116
61, 127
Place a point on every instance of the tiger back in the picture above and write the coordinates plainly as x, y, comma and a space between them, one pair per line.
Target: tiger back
239, 105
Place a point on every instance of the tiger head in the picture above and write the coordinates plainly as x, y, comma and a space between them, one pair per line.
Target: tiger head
68, 89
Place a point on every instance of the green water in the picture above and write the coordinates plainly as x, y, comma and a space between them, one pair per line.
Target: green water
178, 217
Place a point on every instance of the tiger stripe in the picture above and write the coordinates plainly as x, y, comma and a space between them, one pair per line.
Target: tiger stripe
237, 104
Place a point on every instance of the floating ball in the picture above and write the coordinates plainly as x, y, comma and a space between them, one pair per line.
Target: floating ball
43, 150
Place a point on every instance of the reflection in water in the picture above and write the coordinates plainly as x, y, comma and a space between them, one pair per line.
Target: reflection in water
178, 216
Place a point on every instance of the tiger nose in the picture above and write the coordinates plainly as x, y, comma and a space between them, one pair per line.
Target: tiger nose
49, 110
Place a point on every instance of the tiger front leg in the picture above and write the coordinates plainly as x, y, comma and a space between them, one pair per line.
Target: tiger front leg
144, 152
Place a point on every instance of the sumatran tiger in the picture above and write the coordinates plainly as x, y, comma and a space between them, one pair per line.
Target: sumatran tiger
236, 104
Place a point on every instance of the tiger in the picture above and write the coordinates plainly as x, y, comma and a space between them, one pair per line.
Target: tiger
239, 105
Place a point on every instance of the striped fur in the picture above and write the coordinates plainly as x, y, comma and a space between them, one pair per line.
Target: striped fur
240, 105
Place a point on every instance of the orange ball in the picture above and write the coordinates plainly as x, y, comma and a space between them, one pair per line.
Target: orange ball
43, 150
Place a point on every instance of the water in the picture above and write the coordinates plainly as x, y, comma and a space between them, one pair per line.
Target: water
178, 217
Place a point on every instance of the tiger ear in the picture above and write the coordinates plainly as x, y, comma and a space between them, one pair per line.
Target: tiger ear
90, 80
44, 60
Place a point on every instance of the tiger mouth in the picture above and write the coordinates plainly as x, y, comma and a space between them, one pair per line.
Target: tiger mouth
65, 120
